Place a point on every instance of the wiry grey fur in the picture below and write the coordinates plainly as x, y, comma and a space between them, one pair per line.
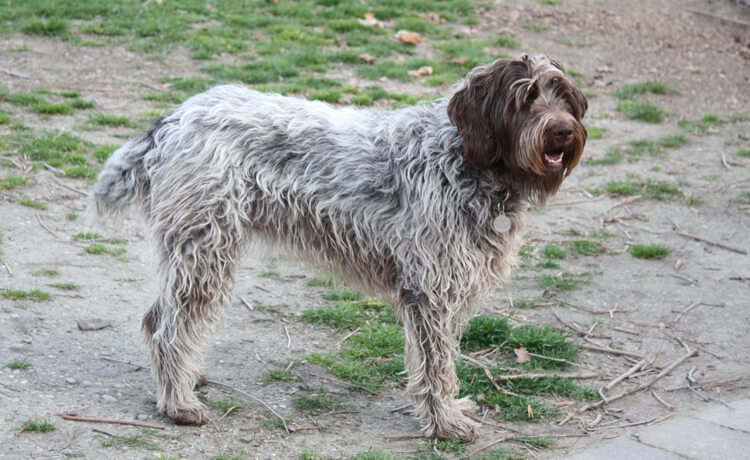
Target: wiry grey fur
387, 197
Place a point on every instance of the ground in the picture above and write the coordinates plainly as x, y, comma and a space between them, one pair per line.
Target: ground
680, 185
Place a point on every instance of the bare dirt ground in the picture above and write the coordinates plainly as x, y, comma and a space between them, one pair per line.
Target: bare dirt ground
627, 304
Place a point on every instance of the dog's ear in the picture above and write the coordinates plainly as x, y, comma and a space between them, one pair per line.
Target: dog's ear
579, 102
467, 111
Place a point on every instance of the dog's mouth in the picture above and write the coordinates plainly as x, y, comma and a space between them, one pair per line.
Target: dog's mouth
554, 160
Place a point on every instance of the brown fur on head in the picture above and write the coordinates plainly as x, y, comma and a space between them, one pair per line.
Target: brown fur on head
515, 117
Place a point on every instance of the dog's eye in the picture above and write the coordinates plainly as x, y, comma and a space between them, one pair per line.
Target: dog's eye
555, 81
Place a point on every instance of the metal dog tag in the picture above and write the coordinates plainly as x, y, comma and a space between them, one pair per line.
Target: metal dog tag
501, 224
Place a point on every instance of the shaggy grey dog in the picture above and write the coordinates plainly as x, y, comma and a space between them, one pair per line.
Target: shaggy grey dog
423, 203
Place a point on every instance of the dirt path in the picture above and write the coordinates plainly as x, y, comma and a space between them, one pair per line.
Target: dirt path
626, 303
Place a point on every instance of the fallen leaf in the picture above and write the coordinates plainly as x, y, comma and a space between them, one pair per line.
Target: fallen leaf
529, 411
421, 72
459, 61
369, 20
410, 38
605, 69
367, 58
522, 356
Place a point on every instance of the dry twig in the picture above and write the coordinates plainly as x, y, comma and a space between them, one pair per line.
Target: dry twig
643, 386
76, 418
258, 400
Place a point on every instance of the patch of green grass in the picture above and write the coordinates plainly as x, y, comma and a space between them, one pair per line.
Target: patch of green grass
540, 442
52, 26
227, 405
535, 26
66, 286
11, 182
547, 263
99, 248
745, 153
19, 364
320, 282
33, 204
343, 294
374, 454
5, 119
649, 251
43, 426
564, 281
586, 248
485, 331
135, 441
53, 108
454, 446
51, 272
549, 2
530, 303
19, 294
595, 132
612, 156
310, 455
86, 236
653, 87
317, 403
674, 141
345, 314
705, 125
650, 189
553, 251
55, 148
644, 111
280, 375
114, 121
505, 41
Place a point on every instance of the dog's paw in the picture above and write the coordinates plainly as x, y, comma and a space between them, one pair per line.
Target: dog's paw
454, 422
192, 415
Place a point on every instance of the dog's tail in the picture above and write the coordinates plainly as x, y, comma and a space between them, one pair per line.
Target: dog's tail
124, 179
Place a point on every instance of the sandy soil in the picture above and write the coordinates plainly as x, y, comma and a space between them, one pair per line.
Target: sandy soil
631, 303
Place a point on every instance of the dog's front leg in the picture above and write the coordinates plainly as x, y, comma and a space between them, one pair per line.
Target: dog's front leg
432, 333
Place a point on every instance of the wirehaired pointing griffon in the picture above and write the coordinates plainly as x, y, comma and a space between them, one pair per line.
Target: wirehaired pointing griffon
425, 203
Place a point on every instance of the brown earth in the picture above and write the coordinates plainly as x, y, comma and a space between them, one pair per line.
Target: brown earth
629, 303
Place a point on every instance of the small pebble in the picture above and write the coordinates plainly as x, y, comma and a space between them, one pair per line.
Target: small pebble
71, 381
109, 398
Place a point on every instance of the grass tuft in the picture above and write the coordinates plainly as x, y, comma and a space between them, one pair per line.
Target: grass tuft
643, 111
18, 365
649, 251
43, 426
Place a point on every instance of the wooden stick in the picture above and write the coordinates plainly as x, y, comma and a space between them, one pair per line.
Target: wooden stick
623, 203
66, 186
492, 444
643, 386
258, 400
14, 74
116, 422
711, 242
572, 202
578, 375
720, 18
611, 350
44, 226
625, 374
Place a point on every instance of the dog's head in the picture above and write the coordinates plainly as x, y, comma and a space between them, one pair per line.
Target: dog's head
521, 119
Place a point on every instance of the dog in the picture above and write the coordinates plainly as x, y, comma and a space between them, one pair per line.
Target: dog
424, 203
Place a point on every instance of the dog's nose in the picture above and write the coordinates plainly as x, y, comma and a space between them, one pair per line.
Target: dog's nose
562, 132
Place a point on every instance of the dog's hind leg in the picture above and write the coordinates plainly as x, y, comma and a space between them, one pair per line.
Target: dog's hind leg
196, 269
432, 333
